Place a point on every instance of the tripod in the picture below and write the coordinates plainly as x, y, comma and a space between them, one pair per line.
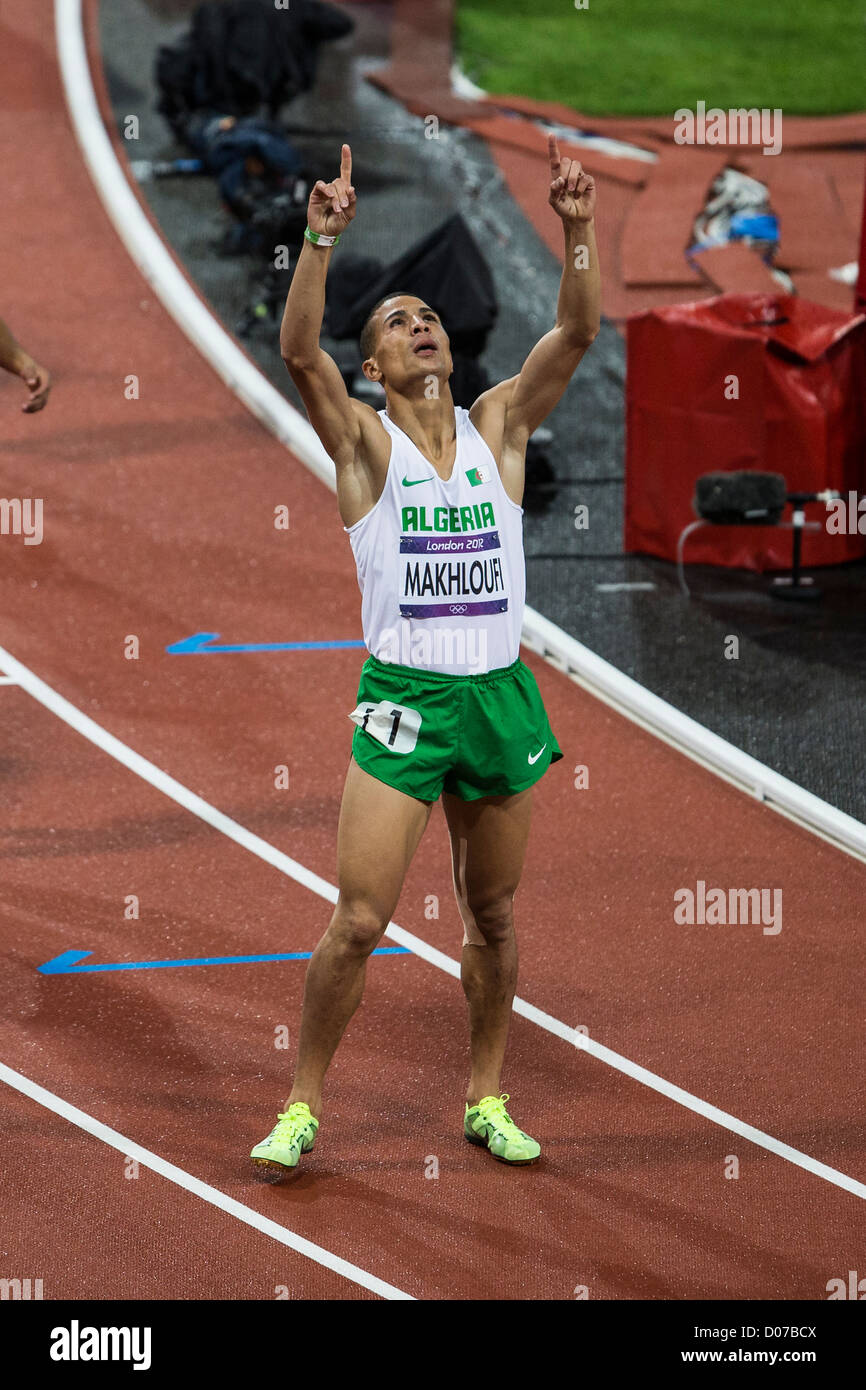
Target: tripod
797, 588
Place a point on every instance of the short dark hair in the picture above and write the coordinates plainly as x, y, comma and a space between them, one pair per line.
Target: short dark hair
368, 332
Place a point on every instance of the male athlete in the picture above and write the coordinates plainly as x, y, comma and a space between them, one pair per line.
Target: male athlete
430, 498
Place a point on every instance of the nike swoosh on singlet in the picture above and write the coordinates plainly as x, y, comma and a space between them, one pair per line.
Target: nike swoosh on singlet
416, 481
529, 757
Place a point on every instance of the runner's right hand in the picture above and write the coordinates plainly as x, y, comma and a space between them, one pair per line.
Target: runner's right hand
332, 205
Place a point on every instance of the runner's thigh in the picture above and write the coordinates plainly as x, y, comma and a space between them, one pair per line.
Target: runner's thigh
377, 836
488, 845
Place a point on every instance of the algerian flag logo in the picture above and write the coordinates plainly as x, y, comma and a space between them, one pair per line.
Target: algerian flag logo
477, 475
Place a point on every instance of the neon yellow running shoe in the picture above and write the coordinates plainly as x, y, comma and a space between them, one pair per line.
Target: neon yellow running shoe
293, 1134
489, 1124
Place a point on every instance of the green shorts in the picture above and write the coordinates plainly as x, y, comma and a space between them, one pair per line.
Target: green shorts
425, 733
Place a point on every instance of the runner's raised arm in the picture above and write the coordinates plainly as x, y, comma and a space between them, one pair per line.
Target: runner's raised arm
330, 209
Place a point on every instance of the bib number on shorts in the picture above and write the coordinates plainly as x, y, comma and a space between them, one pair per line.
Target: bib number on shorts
395, 726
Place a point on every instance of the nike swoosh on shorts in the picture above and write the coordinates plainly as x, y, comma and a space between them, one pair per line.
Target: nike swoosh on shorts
530, 758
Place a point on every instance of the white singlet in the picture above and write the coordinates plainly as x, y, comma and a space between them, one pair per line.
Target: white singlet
440, 564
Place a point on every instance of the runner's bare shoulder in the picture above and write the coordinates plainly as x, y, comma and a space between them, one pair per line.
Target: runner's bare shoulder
375, 442
350, 431
360, 481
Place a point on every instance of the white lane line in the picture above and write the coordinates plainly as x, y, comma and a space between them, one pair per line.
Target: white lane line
181, 1178
149, 772
7, 680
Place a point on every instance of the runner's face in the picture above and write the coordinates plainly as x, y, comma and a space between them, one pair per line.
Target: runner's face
412, 342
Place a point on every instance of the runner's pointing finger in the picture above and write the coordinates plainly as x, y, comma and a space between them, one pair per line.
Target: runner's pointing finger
346, 165
553, 153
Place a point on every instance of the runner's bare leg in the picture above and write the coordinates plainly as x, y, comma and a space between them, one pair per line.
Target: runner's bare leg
488, 847
378, 833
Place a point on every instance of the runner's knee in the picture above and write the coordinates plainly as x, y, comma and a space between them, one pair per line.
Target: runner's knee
358, 925
492, 917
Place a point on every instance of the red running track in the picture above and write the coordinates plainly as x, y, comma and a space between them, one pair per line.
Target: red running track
159, 523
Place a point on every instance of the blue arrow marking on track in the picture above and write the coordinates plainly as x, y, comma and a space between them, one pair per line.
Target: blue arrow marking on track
67, 962
203, 642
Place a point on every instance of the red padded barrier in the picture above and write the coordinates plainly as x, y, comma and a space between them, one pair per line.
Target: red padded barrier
800, 370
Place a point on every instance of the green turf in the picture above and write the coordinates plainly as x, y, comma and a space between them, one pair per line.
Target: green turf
650, 57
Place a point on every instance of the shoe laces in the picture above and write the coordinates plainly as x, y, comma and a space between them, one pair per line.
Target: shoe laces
295, 1119
493, 1107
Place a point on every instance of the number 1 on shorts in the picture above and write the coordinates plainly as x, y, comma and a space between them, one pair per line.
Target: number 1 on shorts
394, 726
